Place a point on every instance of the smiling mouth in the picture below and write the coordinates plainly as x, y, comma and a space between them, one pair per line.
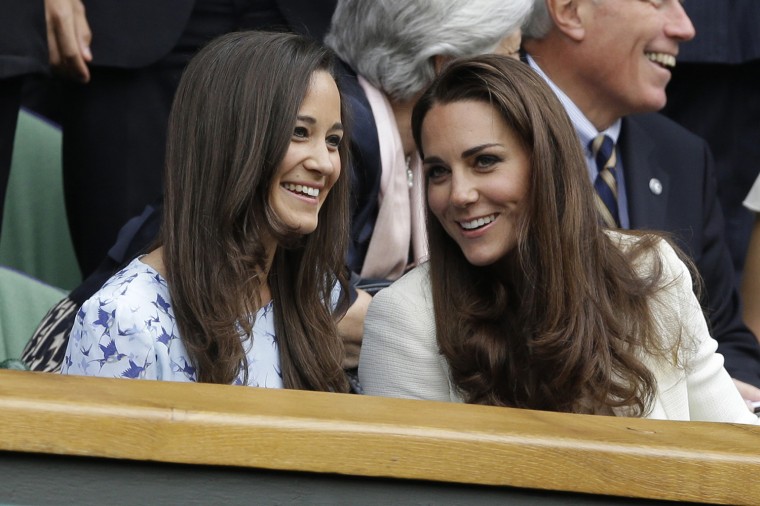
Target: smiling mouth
301, 189
477, 222
665, 60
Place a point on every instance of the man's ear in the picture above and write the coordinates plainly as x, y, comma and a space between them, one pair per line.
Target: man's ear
440, 61
568, 17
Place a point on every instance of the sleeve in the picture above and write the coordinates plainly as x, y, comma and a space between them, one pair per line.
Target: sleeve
111, 339
752, 202
399, 355
712, 395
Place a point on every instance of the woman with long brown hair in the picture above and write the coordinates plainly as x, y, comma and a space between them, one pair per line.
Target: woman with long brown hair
245, 282
526, 300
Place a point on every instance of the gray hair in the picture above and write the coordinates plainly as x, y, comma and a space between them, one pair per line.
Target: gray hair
539, 22
391, 43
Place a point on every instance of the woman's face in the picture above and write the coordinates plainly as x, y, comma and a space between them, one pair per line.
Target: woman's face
312, 164
478, 177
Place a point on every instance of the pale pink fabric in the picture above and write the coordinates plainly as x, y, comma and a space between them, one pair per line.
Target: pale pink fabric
401, 216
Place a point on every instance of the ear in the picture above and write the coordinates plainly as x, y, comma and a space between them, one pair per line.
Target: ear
440, 61
568, 17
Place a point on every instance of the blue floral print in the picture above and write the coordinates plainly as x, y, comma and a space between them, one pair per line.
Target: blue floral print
128, 330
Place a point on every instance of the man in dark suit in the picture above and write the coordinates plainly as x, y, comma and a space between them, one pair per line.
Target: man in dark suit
609, 63
22, 52
124, 60
715, 93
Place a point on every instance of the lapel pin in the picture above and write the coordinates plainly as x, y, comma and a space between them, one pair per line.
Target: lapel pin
655, 186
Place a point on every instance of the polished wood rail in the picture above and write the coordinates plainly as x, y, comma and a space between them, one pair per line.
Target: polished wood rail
377, 437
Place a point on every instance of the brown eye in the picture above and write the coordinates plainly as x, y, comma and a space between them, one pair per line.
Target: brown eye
436, 172
485, 161
334, 141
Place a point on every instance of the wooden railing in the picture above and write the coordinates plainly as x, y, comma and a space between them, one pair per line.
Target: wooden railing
364, 436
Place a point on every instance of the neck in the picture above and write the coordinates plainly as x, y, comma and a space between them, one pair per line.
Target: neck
155, 259
562, 66
270, 243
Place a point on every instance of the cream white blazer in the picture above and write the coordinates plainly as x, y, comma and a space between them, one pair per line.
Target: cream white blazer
400, 356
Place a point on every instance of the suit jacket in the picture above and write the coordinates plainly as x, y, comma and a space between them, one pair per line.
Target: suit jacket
23, 44
366, 167
400, 355
726, 31
136, 33
723, 62
670, 186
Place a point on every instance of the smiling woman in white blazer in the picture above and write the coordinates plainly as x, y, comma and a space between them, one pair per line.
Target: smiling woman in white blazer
527, 301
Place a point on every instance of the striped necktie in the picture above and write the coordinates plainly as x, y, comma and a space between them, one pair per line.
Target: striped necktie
603, 150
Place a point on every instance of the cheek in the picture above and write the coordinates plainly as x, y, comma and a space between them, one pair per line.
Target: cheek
520, 182
272, 197
522, 190
437, 199
337, 167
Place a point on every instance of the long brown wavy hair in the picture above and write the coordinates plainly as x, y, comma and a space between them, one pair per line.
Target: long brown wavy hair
564, 332
230, 126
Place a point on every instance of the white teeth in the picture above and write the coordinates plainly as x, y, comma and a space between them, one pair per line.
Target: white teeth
477, 222
299, 188
666, 60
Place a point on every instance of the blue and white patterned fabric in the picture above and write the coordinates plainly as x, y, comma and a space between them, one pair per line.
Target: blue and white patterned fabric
128, 330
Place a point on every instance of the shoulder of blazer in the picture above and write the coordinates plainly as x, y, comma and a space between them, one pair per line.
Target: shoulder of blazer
414, 287
661, 135
658, 153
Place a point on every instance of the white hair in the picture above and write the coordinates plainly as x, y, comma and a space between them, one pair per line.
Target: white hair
539, 22
391, 43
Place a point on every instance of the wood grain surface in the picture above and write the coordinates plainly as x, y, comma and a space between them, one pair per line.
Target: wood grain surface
378, 437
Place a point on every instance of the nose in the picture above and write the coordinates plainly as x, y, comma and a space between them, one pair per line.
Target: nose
463, 191
679, 25
321, 159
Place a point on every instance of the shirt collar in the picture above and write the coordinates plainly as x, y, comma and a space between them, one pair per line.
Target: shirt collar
585, 129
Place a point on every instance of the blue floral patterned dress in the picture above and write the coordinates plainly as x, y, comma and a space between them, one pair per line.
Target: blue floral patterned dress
128, 330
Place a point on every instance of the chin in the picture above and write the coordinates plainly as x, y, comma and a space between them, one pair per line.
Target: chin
306, 229
480, 260
302, 227
653, 101
657, 103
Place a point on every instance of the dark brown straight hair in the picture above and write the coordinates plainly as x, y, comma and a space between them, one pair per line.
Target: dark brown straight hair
565, 331
231, 124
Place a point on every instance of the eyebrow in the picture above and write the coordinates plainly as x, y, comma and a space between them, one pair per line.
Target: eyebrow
311, 121
465, 154
476, 149
431, 159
